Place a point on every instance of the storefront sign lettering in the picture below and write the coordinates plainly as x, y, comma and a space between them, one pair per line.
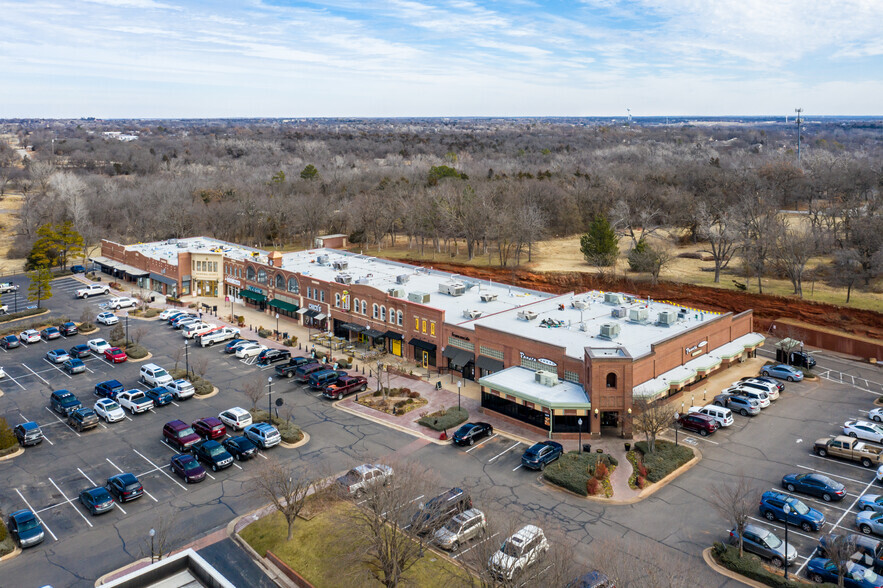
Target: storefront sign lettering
233, 281
315, 307
255, 289
456, 336
542, 360
696, 348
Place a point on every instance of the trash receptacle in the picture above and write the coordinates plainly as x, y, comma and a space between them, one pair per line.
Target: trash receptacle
587, 447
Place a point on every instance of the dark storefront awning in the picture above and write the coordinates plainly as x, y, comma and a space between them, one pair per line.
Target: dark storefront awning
373, 333
422, 344
119, 266
256, 296
458, 357
394, 335
489, 364
164, 279
311, 313
352, 327
282, 305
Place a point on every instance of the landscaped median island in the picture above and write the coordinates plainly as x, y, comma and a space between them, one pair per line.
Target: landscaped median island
290, 432
444, 420
8, 442
201, 386
22, 314
393, 401
652, 467
753, 568
587, 474
7, 543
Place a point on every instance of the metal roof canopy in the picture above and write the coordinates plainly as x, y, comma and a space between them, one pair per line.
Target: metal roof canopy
521, 383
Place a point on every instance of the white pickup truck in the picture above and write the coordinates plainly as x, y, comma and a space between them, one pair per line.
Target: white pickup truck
7, 287
134, 401
93, 290
218, 336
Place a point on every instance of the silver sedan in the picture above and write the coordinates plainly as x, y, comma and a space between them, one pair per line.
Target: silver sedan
864, 430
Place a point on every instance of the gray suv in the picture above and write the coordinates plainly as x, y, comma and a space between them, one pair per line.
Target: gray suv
463, 527
742, 405
763, 543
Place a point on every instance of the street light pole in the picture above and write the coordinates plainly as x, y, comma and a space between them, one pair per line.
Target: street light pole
152, 532
277, 326
787, 509
270, 400
187, 357
127, 329
579, 422
459, 383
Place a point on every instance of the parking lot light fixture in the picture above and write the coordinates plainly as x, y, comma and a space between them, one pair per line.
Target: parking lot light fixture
579, 430
152, 533
187, 357
270, 399
787, 509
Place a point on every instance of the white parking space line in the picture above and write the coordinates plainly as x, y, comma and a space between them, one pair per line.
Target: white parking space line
864, 469
69, 501
485, 540
504, 452
830, 474
58, 368
808, 499
31, 508
115, 503
62, 422
116, 467
16, 382
161, 470
35, 373
482, 443
521, 465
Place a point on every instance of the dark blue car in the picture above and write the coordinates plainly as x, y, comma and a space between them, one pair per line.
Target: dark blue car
541, 454
108, 389
79, 351
78, 269
815, 485
772, 506
25, 527
824, 570
159, 395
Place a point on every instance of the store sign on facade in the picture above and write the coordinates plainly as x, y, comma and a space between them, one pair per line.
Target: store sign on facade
542, 360
696, 349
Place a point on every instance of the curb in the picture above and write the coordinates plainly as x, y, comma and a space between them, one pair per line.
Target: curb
16, 551
15, 453
706, 555
145, 358
95, 330
141, 318
30, 316
214, 392
300, 443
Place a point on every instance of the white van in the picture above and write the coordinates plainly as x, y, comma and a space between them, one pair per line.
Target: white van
194, 329
723, 416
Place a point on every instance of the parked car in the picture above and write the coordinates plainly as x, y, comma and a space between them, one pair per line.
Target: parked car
135, 401
28, 434
210, 428
864, 430
82, 418
78, 269
181, 389
164, 315
115, 355
63, 402
188, 468
153, 375
741, 404
212, 453
303, 372
24, 526
96, 500
249, 350
191, 330
182, 321
362, 478
160, 396
763, 398
236, 418
782, 372
217, 336
233, 345
263, 435
107, 318
9, 342
541, 454
593, 579
699, 423
868, 551
764, 380
109, 410
29, 336
762, 542
723, 416
754, 384
79, 351
345, 385
472, 432
523, 549
268, 356
93, 290
179, 434
289, 368
772, 508
57, 356
824, 570
125, 487
50, 333
121, 302
435, 513
872, 502
98, 346
108, 389
869, 521
462, 528
876, 414
7, 287
240, 448
818, 485
322, 378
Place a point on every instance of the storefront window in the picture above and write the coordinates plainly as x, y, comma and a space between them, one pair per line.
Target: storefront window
249, 273
293, 286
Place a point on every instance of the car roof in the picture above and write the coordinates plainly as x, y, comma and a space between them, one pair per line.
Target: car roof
29, 426
177, 424
213, 421
525, 534
23, 515
126, 478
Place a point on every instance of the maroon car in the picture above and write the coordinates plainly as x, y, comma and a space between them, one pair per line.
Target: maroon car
179, 434
698, 423
210, 428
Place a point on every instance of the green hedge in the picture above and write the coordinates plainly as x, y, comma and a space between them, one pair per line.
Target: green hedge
5, 318
445, 419
7, 437
574, 469
751, 567
290, 432
668, 458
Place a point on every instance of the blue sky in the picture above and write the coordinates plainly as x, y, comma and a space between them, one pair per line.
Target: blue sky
219, 58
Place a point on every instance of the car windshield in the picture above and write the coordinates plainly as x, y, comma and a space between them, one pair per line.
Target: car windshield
160, 374
28, 524
216, 451
111, 406
463, 430
190, 465
772, 541
511, 549
799, 507
187, 431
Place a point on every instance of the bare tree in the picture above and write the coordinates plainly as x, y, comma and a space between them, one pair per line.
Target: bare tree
841, 550
137, 334
254, 391
719, 232
200, 366
736, 502
178, 355
794, 248
87, 317
286, 490
159, 545
651, 418
641, 563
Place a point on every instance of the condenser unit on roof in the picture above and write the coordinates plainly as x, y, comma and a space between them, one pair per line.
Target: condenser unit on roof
613, 298
452, 288
363, 280
546, 378
419, 297
620, 312
527, 315
638, 315
609, 331
580, 304
396, 292
472, 314
341, 265
402, 278
182, 245
322, 259
343, 279
667, 317
488, 296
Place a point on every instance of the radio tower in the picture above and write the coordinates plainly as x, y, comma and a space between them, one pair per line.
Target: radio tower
798, 111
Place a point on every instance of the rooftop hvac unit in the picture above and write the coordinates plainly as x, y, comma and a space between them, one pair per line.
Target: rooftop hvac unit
452, 288
472, 314
620, 312
322, 259
546, 378
610, 331
343, 279
419, 297
583, 327
527, 315
363, 280
182, 245
638, 315
488, 297
341, 265
667, 317
172, 241
396, 292
613, 298
402, 278
580, 304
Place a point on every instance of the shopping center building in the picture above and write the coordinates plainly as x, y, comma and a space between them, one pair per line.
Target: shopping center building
546, 361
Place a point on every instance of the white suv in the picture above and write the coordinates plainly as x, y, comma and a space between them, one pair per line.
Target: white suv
153, 375
519, 551
121, 302
181, 389
194, 329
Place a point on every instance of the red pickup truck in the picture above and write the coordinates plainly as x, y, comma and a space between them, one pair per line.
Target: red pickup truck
344, 386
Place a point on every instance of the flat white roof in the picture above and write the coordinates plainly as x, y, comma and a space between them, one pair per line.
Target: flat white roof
168, 250
521, 382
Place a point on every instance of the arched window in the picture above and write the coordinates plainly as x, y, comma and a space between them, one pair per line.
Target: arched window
364, 307
292, 285
400, 318
374, 311
355, 305
611, 380
280, 281
337, 300
249, 273
262, 276
383, 313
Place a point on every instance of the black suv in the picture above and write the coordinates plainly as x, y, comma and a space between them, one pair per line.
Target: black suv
240, 447
213, 454
68, 329
268, 356
435, 513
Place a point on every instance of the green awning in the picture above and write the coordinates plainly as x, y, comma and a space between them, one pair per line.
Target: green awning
256, 296
282, 305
